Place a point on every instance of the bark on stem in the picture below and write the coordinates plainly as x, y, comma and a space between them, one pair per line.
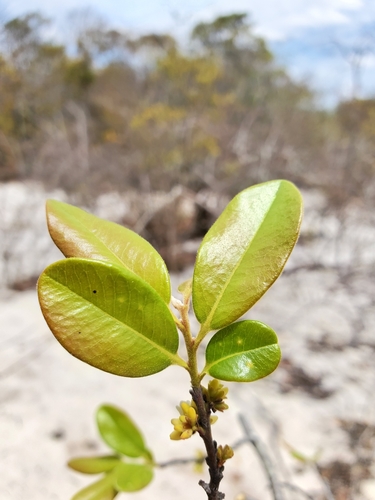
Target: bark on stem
216, 472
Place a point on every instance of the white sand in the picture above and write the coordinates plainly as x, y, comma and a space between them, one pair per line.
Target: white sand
48, 398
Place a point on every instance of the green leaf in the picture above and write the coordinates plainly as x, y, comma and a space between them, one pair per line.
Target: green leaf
108, 317
100, 490
93, 465
79, 234
120, 432
132, 477
243, 352
245, 251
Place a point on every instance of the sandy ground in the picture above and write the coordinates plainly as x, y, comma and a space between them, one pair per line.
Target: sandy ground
319, 403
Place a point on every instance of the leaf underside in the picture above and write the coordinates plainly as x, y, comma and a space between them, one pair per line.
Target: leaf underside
108, 317
243, 352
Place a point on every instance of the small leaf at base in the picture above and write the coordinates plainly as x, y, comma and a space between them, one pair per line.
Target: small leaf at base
93, 465
101, 490
120, 432
132, 477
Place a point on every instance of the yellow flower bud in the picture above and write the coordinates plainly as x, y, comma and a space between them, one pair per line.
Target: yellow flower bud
186, 434
224, 454
214, 395
187, 423
175, 435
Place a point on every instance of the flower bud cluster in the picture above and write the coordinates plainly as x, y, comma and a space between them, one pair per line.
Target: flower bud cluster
215, 394
187, 423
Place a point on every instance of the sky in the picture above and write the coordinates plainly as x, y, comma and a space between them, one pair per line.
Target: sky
328, 43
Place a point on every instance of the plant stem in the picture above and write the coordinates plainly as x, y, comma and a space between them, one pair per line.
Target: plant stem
216, 472
203, 410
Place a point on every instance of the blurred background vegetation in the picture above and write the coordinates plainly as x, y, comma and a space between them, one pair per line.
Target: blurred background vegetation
109, 111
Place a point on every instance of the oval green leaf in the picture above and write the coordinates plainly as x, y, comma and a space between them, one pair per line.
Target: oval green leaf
245, 251
79, 234
108, 317
243, 352
120, 432
93, 465
100, 490
132, 477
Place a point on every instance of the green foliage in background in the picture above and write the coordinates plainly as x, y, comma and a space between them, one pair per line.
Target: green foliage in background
151, 111
217, 111
120, 473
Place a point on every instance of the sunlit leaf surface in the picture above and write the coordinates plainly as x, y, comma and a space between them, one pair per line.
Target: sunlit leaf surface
243, 352
108, 317
245, 251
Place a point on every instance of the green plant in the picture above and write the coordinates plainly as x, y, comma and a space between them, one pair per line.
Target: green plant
107, 304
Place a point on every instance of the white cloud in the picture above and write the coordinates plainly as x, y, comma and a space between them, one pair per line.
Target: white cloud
278, 19
273, 19
266, 13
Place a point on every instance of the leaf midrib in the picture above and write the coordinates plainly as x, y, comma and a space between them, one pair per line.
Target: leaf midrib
208, 366
156, 346
220, 296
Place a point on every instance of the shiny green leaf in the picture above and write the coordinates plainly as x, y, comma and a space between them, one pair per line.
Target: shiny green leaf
93, 465
245, 251
108, 317
132, 477
79, 234
120, 432
243, 352
100, 490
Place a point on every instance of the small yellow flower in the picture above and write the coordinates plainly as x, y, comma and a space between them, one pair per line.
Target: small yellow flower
187, 423
215, 393
224, 454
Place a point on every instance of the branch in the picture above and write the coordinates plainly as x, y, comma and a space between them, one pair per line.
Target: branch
194, 460
297, 489
216, 472
181, 461
264, 457
236, 445
327, 489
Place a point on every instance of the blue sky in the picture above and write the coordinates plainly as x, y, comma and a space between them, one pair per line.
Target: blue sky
315, 39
